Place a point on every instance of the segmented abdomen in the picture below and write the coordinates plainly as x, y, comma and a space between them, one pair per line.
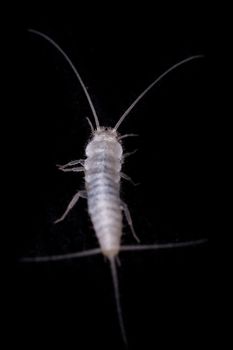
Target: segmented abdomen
102, 177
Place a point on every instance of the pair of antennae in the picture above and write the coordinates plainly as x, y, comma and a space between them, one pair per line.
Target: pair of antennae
129, 109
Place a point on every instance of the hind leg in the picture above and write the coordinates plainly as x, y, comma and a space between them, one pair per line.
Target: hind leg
129, 220
72, 203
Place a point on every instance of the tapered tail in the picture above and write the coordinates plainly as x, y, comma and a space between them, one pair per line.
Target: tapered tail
117, 298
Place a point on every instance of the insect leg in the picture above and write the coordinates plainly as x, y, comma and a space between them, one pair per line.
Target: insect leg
126, 177
125, 155
127, 135
129, 220
71, 204
77, 169
73, 162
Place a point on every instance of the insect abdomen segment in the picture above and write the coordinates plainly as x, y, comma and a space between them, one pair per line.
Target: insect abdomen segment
102, 178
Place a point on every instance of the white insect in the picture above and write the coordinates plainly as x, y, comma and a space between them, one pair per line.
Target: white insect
102, 171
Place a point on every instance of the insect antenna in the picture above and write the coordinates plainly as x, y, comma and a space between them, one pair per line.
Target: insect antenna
52, 42
117, 298
129, 109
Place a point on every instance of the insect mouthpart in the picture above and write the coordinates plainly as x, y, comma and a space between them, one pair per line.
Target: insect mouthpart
105, 134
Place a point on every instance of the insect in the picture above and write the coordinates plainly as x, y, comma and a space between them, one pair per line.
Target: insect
102, 172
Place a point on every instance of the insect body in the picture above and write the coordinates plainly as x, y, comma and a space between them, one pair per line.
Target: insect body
102, 177
102, 171
102, 166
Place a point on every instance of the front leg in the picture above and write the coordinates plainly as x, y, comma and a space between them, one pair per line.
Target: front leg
73, 162
76, 169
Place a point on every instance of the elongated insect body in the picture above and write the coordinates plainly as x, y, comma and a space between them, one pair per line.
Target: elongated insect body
102, 169
102, 178
102, 172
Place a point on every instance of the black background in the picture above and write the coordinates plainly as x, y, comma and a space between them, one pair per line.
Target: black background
163, 293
